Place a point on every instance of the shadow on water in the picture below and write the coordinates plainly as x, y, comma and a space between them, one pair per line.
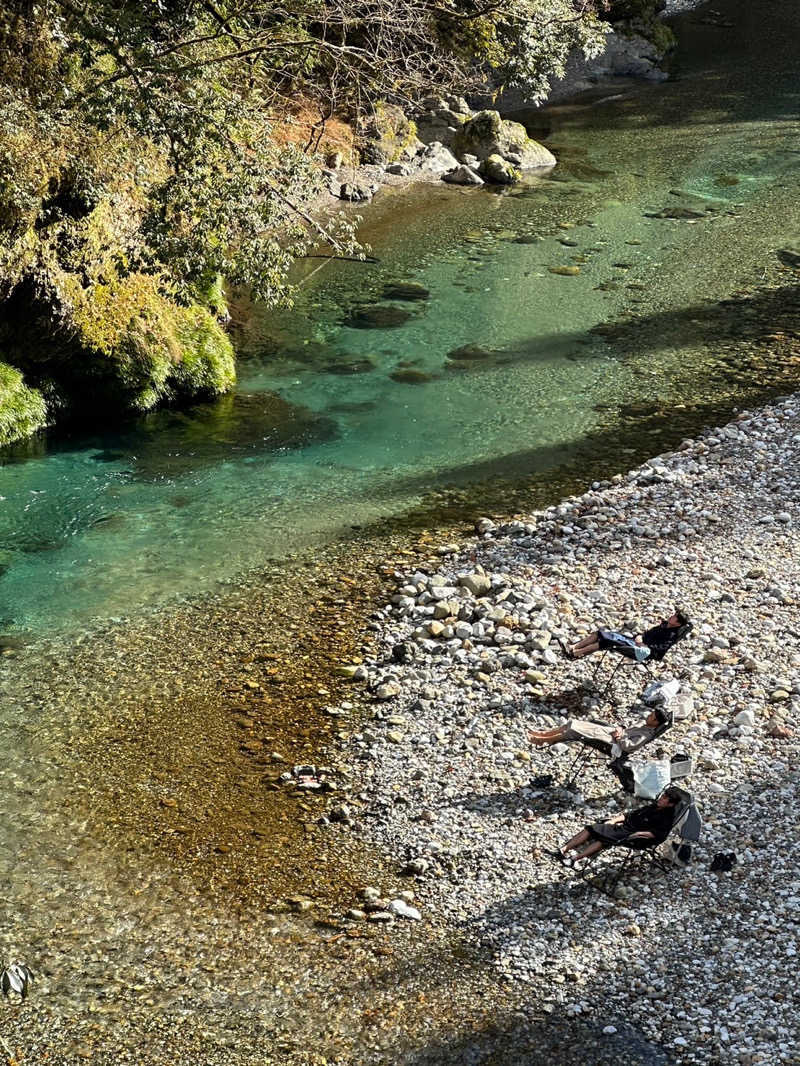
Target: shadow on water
172, 443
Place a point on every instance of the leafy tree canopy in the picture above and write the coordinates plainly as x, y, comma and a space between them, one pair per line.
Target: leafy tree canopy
135, 135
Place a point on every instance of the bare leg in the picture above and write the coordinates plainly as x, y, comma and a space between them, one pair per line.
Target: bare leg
581, 650
593, 849
577, 840
587, 646
548, 736
593, 638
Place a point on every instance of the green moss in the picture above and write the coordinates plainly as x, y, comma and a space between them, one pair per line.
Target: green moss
144, 349
113, 348
206, 367
23, 411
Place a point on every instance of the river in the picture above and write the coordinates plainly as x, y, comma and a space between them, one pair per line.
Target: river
142, 567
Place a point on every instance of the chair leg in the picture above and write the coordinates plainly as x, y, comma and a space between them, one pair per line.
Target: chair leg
598, 665
577, 766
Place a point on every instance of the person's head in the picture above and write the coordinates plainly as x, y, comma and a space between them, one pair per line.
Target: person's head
670, 797
656, 717
677, 618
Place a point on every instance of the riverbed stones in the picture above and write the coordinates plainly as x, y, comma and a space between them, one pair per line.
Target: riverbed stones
477, 583
357, 191
401, 909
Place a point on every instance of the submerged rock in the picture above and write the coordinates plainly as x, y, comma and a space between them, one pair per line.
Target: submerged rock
470, 353
350, 366
789, 257
405, 290
681, 213
410, 376
378, 316
169, 444
565, 271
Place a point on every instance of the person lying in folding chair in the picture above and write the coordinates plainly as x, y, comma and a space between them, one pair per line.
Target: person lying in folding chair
611, 740
640, 829
653, 644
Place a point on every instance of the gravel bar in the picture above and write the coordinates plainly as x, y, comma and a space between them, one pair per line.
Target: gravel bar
698, 964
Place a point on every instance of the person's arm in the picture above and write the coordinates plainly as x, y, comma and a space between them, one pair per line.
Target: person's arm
632, 738
642, 834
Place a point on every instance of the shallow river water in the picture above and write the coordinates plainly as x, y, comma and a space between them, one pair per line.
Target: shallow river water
101, 525
144, 848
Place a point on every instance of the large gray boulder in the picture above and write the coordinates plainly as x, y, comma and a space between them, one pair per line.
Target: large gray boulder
436, 159
487, 134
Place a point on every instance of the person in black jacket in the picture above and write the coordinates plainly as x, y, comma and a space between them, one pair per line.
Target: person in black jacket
642, 828
654, 643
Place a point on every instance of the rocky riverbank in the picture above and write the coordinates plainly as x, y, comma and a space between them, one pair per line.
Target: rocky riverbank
446, 139
700, 965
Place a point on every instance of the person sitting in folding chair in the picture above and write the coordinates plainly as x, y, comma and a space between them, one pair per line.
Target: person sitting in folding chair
611, 740
645, 827
654, 643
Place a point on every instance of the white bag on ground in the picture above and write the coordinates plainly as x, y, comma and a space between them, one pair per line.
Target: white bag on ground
650, 778
661, 692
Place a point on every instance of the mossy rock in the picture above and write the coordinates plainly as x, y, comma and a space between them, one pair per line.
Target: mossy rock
116, 347
487, 134
23, 411
499, 171
386, 135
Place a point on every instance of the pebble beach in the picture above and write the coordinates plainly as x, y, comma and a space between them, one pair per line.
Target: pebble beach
409, 913
698, 964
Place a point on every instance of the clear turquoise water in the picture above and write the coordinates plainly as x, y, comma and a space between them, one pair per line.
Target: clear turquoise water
101, 525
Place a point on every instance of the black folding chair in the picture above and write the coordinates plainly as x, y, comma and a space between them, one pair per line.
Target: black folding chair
618, 766
656, 656
682, 835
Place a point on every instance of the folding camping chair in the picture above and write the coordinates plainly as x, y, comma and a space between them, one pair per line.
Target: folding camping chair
616, 766
655, 656
672, 851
